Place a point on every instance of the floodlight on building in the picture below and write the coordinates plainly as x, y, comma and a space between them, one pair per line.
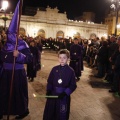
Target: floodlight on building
105, 35
92, 22
34, 32
88, 22
73, 32
112, 6
80, 21
118, 26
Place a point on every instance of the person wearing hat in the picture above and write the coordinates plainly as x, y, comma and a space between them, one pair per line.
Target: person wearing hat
75, 58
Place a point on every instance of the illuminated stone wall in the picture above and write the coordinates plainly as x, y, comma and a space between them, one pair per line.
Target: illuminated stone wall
51, 22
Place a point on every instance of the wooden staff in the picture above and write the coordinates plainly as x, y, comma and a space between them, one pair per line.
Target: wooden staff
13, 70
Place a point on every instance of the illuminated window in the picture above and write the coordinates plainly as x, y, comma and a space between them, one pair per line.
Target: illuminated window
22, 31
60, 34
41, 33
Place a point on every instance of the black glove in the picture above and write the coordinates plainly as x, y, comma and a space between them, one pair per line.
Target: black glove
48, 93
62, 95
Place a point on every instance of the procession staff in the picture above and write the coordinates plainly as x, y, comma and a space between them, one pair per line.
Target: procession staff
13, 81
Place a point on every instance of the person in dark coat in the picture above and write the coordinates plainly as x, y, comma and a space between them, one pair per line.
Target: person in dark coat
116, 79
1, 67
112, 54
32, 67
18, 104
102, 57
75, 58
82, 49
62, 44
68, 44
113, 46
116, 76
40, 49
61, 82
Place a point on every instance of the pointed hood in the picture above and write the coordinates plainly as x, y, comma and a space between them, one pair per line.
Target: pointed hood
13, 27
12, 32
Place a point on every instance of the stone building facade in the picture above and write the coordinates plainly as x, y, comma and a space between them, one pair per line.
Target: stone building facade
51, 23
110, 20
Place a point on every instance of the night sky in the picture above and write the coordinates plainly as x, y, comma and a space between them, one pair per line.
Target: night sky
73, 8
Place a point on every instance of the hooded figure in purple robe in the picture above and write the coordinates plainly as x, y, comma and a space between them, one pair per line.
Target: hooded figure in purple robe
19, 99
75, 58
61, 83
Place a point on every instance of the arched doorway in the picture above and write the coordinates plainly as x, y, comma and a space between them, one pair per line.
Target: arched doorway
77, 35
60, 34
22, 31
93, 36
41, 33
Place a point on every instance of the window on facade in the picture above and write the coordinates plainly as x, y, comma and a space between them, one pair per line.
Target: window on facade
77, 35
93, 36
60, 34
41, 33
22, 31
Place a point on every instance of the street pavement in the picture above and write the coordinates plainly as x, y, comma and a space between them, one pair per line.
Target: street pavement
90, 101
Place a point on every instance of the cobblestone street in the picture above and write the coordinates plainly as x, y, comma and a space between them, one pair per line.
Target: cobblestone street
90, 101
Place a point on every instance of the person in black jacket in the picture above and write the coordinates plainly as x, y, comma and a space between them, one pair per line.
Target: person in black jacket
32, 67
116, 79
75, 58
102, 60
39, 46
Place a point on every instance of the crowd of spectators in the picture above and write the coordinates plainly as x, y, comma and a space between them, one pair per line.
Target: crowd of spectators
103, 54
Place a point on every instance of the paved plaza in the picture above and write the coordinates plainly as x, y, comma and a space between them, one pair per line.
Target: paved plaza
90, 101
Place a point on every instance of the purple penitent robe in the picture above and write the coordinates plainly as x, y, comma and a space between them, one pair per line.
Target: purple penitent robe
75, 58
19, 101
58, 109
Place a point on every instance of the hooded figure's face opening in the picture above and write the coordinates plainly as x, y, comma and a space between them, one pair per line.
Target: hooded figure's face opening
11, 37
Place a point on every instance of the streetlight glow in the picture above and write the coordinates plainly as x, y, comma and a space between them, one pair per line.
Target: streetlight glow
4, 7
115, 6
4, 4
